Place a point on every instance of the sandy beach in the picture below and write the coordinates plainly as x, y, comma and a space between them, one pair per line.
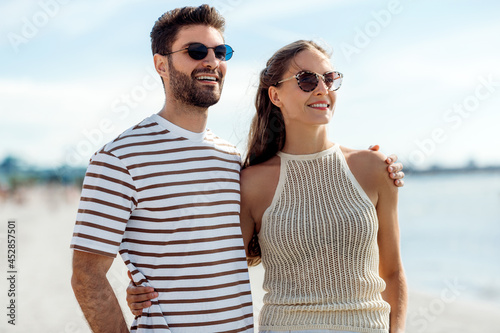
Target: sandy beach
45, 302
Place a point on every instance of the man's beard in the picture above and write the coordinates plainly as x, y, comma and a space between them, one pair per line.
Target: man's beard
185, 89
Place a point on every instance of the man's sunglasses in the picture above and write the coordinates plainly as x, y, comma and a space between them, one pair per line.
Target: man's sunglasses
308, 81
198, 51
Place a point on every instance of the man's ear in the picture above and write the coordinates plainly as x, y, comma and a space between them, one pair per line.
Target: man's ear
161, 65
274, 96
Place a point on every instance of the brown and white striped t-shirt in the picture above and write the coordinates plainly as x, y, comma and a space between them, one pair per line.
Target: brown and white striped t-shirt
168, 201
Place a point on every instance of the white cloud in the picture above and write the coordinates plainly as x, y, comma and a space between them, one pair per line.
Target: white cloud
252, 13
40, 119
81, 17
12, 13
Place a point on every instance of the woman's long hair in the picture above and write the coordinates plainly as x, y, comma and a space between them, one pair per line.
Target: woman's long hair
267, 132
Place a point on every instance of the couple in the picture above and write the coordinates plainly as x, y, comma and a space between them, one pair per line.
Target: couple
165, 194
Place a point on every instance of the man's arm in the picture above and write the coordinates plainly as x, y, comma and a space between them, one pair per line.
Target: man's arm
391, 266
94, 293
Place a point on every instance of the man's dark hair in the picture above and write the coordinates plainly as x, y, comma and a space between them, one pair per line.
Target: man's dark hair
167, 26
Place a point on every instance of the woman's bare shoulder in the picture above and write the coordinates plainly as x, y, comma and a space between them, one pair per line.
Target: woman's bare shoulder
368, 166
260, 172
257, 177
258, 183
373, 160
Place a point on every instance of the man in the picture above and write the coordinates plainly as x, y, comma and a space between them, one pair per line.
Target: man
165, 195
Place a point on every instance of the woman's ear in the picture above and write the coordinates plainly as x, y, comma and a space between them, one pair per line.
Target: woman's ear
274, 96
161, 65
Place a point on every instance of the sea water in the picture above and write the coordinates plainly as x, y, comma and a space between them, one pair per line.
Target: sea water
450, 233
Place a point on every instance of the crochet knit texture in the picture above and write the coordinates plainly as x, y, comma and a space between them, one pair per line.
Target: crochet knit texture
319, 250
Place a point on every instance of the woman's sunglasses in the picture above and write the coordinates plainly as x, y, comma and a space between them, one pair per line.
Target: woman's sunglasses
198, 51
308, 81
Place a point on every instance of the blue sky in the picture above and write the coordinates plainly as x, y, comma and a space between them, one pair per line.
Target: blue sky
422, 78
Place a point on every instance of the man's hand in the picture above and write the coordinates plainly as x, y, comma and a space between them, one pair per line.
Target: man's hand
394, 169
138, 298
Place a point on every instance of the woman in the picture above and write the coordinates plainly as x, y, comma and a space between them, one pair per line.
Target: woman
325, 216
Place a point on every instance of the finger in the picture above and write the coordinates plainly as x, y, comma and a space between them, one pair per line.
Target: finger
139, 306
130, 276
397, 175
141, 298
391, 159
399, 182
374, 147
133, 290
137, 313
396, 167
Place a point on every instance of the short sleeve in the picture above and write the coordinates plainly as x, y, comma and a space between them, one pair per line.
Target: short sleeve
108, 199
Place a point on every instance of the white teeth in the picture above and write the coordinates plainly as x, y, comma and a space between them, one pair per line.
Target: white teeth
319, 105
208, 78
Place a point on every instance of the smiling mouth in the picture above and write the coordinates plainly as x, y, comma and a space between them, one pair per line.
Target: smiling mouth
206, 78
319, 105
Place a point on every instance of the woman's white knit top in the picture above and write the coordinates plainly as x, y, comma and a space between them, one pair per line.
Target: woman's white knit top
319, 250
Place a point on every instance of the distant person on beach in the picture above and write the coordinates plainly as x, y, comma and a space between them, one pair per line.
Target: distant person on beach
165, 194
